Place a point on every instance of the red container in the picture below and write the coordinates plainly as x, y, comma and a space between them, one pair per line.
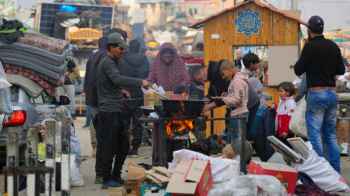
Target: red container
287, 175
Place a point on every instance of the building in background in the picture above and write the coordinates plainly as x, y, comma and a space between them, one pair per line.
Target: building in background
8, 8
157, 11
196, 8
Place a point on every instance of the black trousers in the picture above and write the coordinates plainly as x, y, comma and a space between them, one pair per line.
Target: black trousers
136, 128
251, 119
95, 122
114, 144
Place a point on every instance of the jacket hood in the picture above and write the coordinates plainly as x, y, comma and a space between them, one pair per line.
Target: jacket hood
134, 46
134, 59
102, 43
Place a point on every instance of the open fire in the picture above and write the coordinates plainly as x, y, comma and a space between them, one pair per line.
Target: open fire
178, 127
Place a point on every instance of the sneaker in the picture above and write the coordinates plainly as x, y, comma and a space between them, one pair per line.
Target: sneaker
111, 184
119, 179
98, 180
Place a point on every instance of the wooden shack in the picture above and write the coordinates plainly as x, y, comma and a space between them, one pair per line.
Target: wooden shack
253, 23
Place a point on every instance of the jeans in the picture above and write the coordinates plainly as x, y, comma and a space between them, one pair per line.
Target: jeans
321, 124
233, 135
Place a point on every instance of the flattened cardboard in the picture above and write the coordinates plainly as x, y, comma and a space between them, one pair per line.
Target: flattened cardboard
191, 177
196, 172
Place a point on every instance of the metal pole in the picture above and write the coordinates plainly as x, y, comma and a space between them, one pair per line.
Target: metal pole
12, 161
65, 165
50, 157
243, 132
31, 161
64, 131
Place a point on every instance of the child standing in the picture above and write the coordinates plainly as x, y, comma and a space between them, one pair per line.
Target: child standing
285, 109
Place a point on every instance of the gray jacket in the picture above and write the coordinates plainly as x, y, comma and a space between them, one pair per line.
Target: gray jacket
109, 85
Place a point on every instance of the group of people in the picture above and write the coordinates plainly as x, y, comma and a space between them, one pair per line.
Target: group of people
116, 73
319, 64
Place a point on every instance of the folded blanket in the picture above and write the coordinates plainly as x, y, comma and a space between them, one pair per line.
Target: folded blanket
53, 58
33, 66
46, 83
45, 42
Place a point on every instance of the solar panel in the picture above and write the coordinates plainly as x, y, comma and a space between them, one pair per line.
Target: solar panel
49, 12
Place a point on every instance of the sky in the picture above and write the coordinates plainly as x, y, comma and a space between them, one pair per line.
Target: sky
334, 12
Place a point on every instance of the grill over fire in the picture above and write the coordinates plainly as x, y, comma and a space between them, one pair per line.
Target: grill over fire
178, 127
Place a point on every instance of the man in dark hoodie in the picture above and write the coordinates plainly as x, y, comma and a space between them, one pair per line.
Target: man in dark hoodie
135, 64
90, 90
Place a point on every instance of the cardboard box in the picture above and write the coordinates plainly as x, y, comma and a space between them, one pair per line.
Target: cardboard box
287, 175
117, 192
191, 177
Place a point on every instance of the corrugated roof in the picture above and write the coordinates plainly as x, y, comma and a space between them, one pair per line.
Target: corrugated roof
256, 2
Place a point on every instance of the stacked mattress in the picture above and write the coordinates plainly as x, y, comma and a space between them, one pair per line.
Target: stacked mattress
36, 55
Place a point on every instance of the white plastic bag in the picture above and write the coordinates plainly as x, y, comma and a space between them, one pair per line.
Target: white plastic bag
298, 122
249, 185
322, 173
269, 186
75, 176
75, 160
222, 169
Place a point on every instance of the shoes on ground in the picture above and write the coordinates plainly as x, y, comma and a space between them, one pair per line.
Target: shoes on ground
111, 184
98, 180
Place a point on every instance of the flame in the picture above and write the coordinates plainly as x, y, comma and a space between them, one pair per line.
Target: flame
179, 126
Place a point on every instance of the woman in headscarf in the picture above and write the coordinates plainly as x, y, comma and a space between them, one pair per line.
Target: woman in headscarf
168, 69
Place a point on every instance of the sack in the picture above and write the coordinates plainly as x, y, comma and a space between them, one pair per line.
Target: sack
5, 101
222, 169
322, 173
298, 122
75, 177
308, 187
252, 185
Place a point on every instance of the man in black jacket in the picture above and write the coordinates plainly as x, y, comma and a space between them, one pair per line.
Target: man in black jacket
321, 60
111, 105
135, 64
90, 90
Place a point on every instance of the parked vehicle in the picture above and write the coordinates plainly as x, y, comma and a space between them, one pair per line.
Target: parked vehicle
25, 95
